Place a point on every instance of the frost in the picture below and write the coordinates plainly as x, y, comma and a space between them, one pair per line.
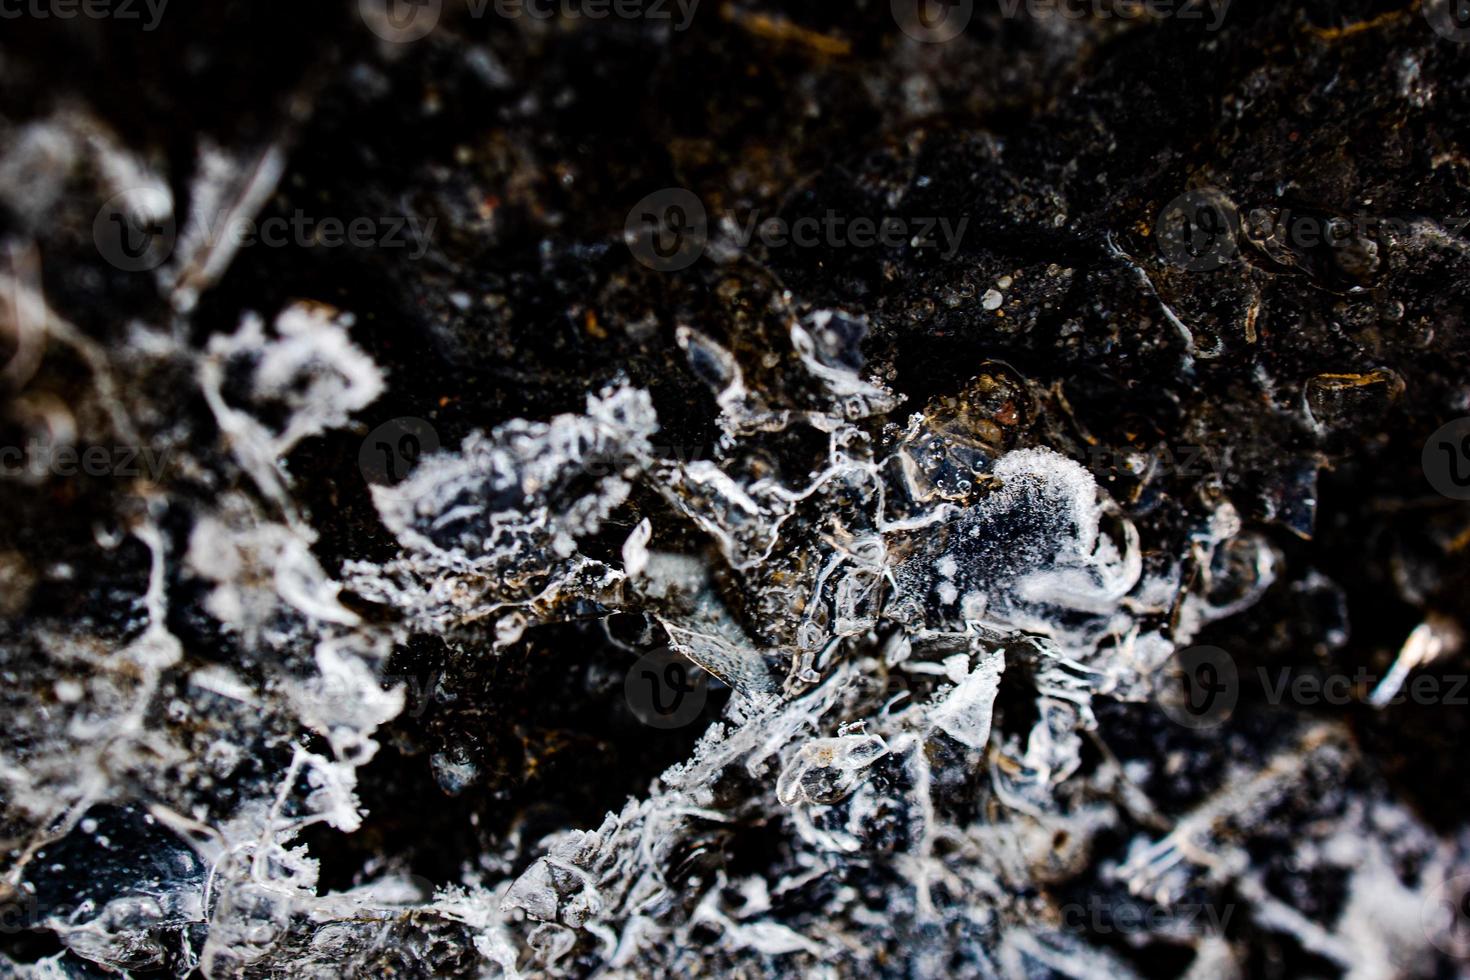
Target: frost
1029, 549
309, 370
250, 696
506, 512
237, 549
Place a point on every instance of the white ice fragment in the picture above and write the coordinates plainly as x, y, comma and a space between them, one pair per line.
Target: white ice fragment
857, 397
635, 548
965, 714
772, 939
826, 770
1431, 639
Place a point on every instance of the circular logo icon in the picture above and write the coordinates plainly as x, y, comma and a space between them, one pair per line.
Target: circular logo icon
400, 21
1445, 917
390, 451
127, 239
665, 690
667, 230
933, 21
1449, 18
1198, 687
1446, 460
1197, 230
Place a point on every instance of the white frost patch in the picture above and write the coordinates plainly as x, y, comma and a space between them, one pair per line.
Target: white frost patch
1061, 482
516, 489
310, 369
491, 531
256, 564
1033, 546
344, 702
